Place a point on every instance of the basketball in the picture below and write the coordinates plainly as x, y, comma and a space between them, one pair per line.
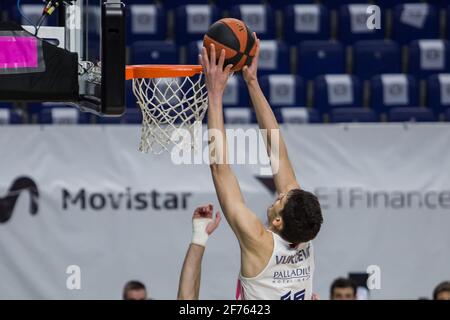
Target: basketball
235, 38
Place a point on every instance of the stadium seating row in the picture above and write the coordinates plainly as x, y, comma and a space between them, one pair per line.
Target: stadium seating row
334, 96
170, 4
313, 58
288, 115
299, 22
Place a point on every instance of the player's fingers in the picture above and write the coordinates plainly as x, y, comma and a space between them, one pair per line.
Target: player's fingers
213, 224
213, 55
205, 58
200, 61
202, 209
256, 58
221, 59
208, 210
218, 218
228, 68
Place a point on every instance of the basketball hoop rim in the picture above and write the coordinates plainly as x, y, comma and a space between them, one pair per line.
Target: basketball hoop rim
161, 71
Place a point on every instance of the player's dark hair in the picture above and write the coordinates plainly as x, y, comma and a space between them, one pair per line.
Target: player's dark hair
132, 285
442, 287
302, 217
343, 283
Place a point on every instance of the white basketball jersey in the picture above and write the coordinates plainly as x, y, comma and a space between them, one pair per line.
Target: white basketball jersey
287, 276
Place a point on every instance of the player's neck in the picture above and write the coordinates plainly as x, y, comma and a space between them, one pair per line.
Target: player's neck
272, 229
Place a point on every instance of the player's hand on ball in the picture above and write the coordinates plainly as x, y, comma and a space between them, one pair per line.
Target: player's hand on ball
216, 74
250, 72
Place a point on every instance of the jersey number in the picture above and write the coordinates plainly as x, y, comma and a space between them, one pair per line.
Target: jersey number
299, 295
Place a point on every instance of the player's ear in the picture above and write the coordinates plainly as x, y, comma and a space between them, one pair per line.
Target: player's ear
277, 222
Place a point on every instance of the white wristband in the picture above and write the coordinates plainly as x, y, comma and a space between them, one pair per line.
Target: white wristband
199, 235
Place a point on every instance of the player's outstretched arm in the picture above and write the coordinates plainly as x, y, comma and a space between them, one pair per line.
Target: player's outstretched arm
203, 225
245, 224
284, 175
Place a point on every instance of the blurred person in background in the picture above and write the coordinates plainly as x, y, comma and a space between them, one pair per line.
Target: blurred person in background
442, 291
134, 290
343, 289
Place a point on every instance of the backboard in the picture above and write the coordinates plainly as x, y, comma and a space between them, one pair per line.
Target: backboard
94, 30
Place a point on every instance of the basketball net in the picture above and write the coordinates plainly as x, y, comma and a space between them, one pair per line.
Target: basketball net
171, 108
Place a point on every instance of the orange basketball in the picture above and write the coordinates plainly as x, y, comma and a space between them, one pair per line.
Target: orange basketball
234, 36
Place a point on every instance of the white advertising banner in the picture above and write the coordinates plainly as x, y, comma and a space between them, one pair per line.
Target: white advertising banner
80, 205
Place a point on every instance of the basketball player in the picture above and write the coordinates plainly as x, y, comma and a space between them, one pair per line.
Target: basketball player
277, 262
203, 225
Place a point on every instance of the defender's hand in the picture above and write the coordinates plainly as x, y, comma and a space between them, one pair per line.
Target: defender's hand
203, 224
206, 211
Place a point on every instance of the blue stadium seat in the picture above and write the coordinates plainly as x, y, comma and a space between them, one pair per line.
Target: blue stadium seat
447, 115
276, 113
146, 22
236, 93
284, 90
7, 10
60, 114
415, 21
194, 48
193, 21
299, 114
314, 116
427, 57
34, 110
353, 20
393, 90
438, 92
320, 57
305, 22
238, 115
154, 52
131, 116
172, 4
258, 17
407, 114
337, 91
439, 3
280, 4
274, 57
9, 116
226, 4
335, 4
130, 2
353, 115
374, 57
388, 4
448, 23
